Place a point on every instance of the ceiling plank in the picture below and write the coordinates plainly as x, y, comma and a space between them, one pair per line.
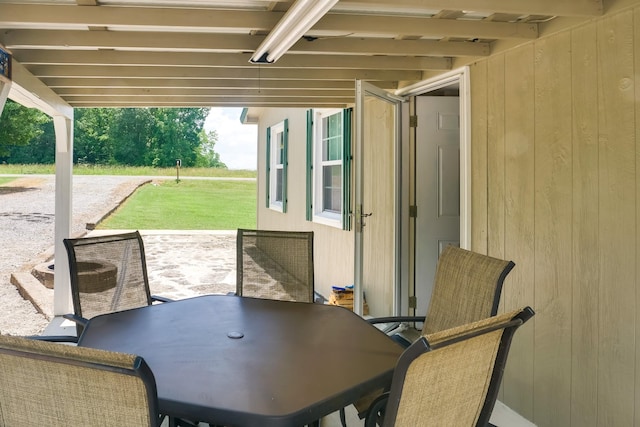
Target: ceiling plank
392, 47
78, 93
426, 27
166, 42
221, 101
284, 85
258, 73
209, 59
207, 99
242, 21
581, 8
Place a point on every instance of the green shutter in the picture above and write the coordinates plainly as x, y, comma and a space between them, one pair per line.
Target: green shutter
309, 165
268, 168
346, 168
285, 163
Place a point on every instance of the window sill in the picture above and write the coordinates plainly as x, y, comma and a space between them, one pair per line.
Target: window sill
332, 220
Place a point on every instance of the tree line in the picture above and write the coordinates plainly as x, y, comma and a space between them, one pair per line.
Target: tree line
112, 136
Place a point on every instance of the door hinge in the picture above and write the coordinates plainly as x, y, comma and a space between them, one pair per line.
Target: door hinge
413, 121
413, 211
413, 302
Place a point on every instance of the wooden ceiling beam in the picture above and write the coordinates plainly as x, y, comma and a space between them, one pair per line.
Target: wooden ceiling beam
577, 8
218, 102
283, 85
258, 73
207, 99
168, 42
77, 93
241, 60
243, 21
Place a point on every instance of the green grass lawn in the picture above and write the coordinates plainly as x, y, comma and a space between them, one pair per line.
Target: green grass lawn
188, 205
129, 170
4, 180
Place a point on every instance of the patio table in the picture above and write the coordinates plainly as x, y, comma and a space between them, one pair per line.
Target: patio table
246, 362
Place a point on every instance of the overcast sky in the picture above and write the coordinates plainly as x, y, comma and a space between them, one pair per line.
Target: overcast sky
237, 143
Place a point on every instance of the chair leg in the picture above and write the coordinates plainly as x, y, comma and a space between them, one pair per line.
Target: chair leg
375, 413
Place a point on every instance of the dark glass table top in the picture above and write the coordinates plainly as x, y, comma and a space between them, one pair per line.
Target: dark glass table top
247, 362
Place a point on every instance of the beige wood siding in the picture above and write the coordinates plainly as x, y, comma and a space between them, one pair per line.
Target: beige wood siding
555, 134
333, 247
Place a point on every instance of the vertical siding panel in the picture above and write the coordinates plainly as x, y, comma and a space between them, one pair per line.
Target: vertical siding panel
496, 165
585, 343
478, 73
636, 52
495, 157
519, 226
552, 230
617, 221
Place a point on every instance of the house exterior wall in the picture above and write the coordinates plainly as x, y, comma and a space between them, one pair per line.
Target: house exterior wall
555, 130
556, 188
333, 247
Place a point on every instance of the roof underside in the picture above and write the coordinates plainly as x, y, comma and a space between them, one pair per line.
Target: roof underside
96, 53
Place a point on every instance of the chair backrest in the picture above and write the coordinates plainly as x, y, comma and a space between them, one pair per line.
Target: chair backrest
47, 384
467, 288
452, 378
275, 264
108, 273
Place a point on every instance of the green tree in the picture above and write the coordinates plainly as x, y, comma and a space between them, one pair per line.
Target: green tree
208, 157
127, 136
91, 142
41, 149
19, 126
176, 135
131, 134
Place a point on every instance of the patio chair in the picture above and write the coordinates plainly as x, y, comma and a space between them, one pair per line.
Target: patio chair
450, 378
108, 273
275, 265
47, 384
467, 288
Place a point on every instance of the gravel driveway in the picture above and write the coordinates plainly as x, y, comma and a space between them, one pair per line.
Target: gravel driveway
27, 207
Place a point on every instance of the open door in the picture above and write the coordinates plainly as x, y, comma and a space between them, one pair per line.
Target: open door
376, 201
437, 222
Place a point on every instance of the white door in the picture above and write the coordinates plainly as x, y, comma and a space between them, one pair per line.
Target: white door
376, 201
437, 187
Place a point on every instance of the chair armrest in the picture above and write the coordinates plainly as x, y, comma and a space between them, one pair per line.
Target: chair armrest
54, 338
76, 319
396, 319
160, 299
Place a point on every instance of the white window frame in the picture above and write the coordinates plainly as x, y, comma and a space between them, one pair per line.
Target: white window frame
274, 166
333, 219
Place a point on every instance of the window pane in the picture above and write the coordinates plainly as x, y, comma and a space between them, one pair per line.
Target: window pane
332, 137
332, 188
279, 147
332, 125
332, 149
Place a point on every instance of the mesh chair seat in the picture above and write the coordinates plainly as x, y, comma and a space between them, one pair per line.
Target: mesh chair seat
275, 265
47, 384
450, 378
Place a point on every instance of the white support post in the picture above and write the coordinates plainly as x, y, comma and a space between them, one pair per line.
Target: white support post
63, 213
4, 94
